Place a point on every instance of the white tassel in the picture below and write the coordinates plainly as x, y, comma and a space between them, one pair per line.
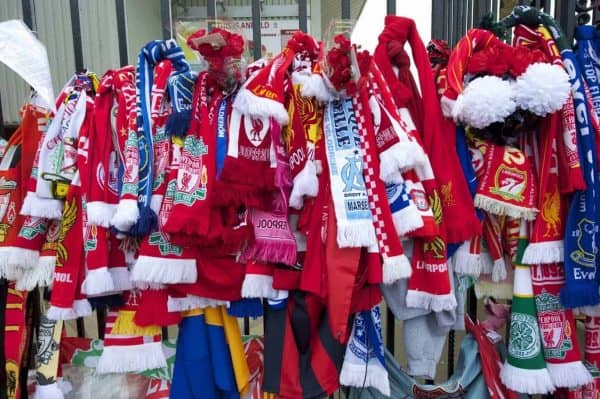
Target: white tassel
355, 234
306, 184
407, 220
156, 202
257, 286
100, 213
164, 271
97, 282
41, 207
496, 207
399, 158
531, 382
499, 270
541, 253
50, 391
359, 375
82, 308
41, 275
569, 375
59, 313
131, 359
120, 277
189, 302
22, 257
396, 268
126, 215
429, 301
465, 262
314, 86
248, 103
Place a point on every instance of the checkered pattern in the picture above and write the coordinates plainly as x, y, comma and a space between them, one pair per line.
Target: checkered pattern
377, 202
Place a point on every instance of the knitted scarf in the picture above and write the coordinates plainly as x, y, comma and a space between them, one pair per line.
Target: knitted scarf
181, 89
149, 57
558, 330
395, 264
47, 362
364, 363
16, 332
459, 214
347, 185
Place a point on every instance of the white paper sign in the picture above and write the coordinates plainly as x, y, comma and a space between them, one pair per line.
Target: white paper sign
22, 52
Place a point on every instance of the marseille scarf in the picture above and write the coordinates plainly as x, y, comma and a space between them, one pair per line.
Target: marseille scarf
351, 203
557, 326
364, 362
149, 57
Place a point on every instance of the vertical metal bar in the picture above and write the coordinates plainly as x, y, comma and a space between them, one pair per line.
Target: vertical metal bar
451, 341
547, 6
3, 300
472, 303
437, 20
460, 19
256, 38
566, 16
480, 10
495, 9
303, 15
391, 7
454, 25
470, 9
246, 326
211, 9
390, 331
76, 31
165, 18
447, 22
28, 15
101, 320
122, 31
1, 119
346, 9
165, 333
80, 327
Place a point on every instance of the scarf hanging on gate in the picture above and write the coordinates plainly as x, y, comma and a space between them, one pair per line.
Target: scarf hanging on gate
148, 59
346, 167
15, 341
47, 362
558, 330
459, 213
181, 90
592, 340
395, 264
364, 362
29, 243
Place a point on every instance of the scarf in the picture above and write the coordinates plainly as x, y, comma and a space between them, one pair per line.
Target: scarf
364, 362
68, 274
395, 264
127, 212
16, 332
592, 340
181, 89
191, 212
29, 244
58, 155
347, 184
47, 362
525, 369
126, 353
459, 214
148, 59
557, 327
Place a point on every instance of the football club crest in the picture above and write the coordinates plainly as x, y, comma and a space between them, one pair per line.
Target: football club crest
509, 183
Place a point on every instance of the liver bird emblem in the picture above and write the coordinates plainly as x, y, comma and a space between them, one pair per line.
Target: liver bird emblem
550, 210
68, 220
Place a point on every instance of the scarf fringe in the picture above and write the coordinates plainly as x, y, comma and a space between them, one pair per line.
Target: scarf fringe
156, 202
544, 252
314, 86
246, 308
250, 104
98, 281
429, 301
126, 214
567, 375
496, 290
465, 262
306, 183
22, 257
41, 275
125, 325
8, 272
574, 297
143, 285
273, 252
407, 220
592, 311
50, 391
499, 270
371, 376
526, 381
356, 234
258, 286
399, 158
178, 124
42, 207
131, 358
487, 263
80, 308
396, 268
147, 222
152, 269
121, 278
100, 213
500, 208
190, 302
226, 194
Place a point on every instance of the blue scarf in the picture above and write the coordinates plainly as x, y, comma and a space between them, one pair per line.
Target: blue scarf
181, 91
150, 55
581, 288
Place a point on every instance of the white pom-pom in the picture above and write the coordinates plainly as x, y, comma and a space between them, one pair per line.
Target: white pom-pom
485, 100
542, 89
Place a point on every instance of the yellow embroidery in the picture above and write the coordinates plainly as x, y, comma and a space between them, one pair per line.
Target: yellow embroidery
68, 220
550, 209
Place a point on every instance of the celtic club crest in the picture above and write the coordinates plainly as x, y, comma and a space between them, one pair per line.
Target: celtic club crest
525, 340
164, 246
